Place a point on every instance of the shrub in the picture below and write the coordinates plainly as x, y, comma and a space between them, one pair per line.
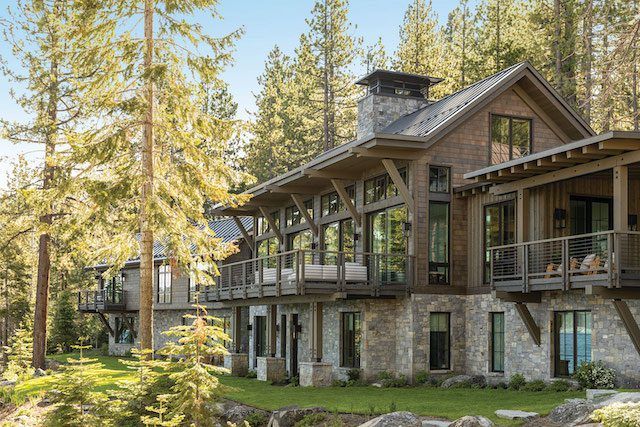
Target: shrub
19, 355
393, 407
310, 420
595, 375
618, 415
501, 386
389, 379
422, 377
294, 381
338, 383
353, 375
535, 385
257, 419
517, 381
559, 385
104, 349
251, 374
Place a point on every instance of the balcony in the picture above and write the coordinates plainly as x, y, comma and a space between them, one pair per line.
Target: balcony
104, 300
303, 272
609, 259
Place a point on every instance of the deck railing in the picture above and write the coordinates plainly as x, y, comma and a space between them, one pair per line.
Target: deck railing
103, 299
607, 258
301, 271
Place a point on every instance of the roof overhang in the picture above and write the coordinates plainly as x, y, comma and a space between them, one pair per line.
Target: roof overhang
578, 158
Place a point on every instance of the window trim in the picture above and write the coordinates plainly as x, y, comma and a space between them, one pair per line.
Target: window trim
448, 366
449, 187
510, 117
484, 232
556, 340
449, 218
492, 336
357, 350
167, 273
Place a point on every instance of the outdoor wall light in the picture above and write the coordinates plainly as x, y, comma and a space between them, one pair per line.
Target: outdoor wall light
633, 222
406, 229
356, 237
560, 218
123, 277
249, 327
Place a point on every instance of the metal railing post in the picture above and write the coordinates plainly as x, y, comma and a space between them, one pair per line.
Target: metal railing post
525, 268
565, 264
610, 248
618, 257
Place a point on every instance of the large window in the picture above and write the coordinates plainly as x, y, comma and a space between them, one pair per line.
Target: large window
331, 203
386, 236
439, 341
438, 179
381, 187
510, 138
302, 240
590, 214
351, 339
338, 237
267, 248
263, 224
125, 330
113, 289
293, 216
260, 336
497, 342
499, 229
438, 243
572, 339
164, 284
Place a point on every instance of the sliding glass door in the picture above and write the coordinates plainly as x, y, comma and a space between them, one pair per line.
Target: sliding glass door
338, 237
386, 237
499, 229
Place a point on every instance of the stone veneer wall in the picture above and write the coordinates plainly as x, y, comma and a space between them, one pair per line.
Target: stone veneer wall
376, 111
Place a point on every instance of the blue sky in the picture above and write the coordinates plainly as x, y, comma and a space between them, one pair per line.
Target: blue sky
266, 23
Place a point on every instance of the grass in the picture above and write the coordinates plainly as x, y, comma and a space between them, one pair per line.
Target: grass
434, 402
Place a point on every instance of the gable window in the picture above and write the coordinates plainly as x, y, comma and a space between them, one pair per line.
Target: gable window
439, 341
125, 330
164, 284
572, 341
510, 138
499, 229
294, 217
332, 203
497, 342
381, 187
351, 338
438, 179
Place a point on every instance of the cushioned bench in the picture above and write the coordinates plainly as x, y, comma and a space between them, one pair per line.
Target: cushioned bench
269, 275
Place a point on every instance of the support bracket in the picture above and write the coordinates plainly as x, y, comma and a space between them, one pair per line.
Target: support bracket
272, 224
629, 322
342, 192
106, 324
300, 205
392, 170
529, 322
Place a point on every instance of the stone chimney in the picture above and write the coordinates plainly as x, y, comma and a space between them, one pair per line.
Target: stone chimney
389, 96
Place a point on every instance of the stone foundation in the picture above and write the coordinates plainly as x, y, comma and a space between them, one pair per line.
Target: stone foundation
272, 369
315, 374
237, 364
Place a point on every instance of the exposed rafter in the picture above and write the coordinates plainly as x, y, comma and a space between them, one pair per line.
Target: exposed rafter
342, 192
386, 153
348, 176
272, 224
244, 232
300, 204
392, 170
292, 189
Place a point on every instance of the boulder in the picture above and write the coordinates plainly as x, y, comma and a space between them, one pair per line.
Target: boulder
572, 413
52, 364
510, 414
626, 397
39, 373
595, 394
435, 423
394, 419
289, 416
456, 381
7, 383
472, 421
237, 414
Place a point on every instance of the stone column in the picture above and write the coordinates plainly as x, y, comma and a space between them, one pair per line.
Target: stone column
237, 362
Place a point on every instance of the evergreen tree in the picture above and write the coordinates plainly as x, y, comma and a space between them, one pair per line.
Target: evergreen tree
420, 47
19, 356
64, 330
161, 419
375, 57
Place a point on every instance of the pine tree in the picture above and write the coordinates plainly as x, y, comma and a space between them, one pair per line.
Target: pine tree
420, 47
196, 388
75, 402
64, 330
375, 57
161, 419
19, 356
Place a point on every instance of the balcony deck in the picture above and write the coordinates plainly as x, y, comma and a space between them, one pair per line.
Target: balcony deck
103, 301
609, 259
306, 272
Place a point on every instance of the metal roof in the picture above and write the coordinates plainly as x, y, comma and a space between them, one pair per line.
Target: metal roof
399, 75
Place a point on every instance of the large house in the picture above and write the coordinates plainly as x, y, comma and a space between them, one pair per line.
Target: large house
489, 232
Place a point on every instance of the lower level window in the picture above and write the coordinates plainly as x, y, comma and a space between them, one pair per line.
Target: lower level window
164, 284
439, 341
572, 339
125, 330
351, 337
260, 325
497, 342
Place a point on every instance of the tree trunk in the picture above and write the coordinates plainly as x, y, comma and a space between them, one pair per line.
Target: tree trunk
634, 79
44, 257
5, 335
325, 83
497, 36
556, 47
146, 194
587, 63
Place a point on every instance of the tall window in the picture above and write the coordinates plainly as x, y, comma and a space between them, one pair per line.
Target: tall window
267, 248
572, 339
510, 138
331, 203
439, 341
438, 243
381, 187
164, 284
338, 237
386, 236
125, 330
113, 289
497, 342
438, 179
263, 224
293, 216
351, 339
260, 335
499, 229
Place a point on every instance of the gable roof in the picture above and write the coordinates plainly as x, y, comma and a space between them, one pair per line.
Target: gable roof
428, 120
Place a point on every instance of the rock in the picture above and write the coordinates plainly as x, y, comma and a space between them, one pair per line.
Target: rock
394, 419
237, 414
377, 385
626, 397
435, 423
594, 393
289, 416
472, 421
454, 381
39, 373
478, 381
516, 415
573, 413
7, 383
52, 364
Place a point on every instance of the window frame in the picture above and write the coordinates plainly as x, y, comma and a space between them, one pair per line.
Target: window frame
486, 265
119, 324
164, 272
556, 340
492, 341
448, 172
350, 345
511, 118
433, 367
382, 184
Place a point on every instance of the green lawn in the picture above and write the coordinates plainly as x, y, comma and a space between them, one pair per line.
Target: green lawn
435, 402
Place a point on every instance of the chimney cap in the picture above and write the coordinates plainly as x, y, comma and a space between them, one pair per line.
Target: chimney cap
398, 76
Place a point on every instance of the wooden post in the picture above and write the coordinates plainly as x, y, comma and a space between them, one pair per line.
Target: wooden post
236, 329
621, 198
522, 215
272, 315
315, 327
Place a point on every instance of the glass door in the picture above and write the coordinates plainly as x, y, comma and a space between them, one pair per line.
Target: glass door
338, 237
386, 237
499, 229
590, 214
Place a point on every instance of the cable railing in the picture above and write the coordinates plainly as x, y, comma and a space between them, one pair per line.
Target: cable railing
606, 258
300, 271
103, 299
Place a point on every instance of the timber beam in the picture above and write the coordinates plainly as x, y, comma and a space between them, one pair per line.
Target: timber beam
342, 192
300, 204
347, 176
272, 224
529, 322
629, 322
272, 318
244, 232
316, 327
604, 292
298, 189
534, 297
385, 153
392, 170
106, 324
236, 329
